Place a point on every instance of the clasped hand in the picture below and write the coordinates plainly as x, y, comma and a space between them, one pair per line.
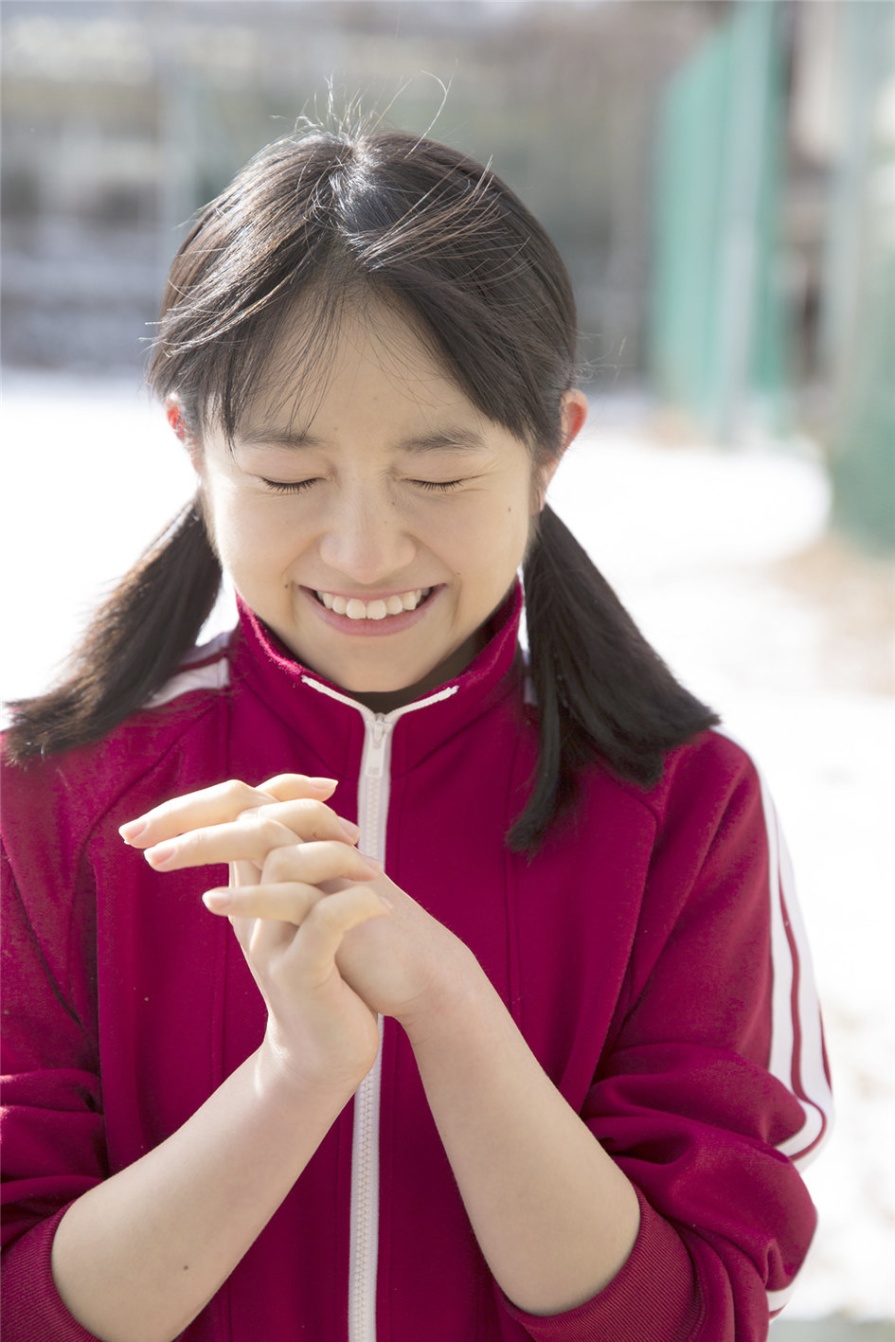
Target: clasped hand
331, 942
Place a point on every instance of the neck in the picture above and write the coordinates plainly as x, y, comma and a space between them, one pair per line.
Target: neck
385, 701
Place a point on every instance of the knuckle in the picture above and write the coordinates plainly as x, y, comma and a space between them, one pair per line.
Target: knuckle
302, 902
281, 811
278, 865
328, 912
311, 807
307, 818
339, 913
238, 792
271, 833
336, 854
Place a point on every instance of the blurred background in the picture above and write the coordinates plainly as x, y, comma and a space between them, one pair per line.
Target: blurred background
720, 178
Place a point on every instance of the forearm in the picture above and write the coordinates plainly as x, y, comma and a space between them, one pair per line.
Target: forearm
140, 1255
554, 1216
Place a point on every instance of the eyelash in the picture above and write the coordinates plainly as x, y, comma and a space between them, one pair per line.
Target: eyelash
438, 486
299, 486
288, 486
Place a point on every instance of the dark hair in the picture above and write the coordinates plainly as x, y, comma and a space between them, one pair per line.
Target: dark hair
330, 218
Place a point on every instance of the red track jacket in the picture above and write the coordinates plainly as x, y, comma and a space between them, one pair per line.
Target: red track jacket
651, 955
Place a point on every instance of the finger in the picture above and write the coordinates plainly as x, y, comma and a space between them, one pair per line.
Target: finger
289, 787
262, 938
214, 805
286, 902
244, 873
271, 896
314, 863
238, 842
248, 839
309, 819
241, 841
313, 949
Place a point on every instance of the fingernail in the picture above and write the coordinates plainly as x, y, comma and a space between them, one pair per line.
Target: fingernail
372, 863
161, 854
323, 783
133, 829
350, 829
387, 902
216, 900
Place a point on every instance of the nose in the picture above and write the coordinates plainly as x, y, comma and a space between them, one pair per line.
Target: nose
364, 538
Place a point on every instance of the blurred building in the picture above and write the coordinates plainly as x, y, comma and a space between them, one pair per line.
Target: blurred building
122, 116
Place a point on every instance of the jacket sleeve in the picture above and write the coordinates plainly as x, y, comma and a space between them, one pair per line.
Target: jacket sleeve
713, 1087
51, 1118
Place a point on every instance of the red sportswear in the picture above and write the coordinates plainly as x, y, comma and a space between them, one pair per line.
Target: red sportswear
651, 954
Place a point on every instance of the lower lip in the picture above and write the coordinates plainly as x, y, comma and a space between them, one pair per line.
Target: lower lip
391, 624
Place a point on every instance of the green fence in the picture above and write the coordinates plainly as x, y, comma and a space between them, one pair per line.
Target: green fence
860, 333
717, 347
719, 338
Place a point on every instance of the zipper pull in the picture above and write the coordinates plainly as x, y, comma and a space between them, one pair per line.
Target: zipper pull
377, 747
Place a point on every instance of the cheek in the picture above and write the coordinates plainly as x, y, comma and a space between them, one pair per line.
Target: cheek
489, 543
225, 525
245, 535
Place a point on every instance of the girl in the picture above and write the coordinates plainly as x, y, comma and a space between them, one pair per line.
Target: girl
502, 1028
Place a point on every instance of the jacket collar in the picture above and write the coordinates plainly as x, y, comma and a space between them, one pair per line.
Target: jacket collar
334, 725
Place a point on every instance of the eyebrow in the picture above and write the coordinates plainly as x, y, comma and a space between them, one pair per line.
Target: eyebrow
444, 440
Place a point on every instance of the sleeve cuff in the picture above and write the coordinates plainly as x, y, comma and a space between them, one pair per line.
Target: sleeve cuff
655, 1294
32, 1307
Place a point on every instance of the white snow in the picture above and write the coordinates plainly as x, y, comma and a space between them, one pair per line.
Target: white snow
690, 539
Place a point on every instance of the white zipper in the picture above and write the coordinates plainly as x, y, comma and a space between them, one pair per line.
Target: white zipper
372, 806
363, 1260
372, 816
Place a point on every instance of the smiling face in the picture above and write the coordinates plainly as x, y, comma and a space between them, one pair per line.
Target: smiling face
371, 515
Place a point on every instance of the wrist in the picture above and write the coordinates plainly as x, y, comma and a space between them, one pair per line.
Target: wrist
286, 1083
456, 994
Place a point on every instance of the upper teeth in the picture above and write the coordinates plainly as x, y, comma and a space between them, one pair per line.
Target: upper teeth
356, 609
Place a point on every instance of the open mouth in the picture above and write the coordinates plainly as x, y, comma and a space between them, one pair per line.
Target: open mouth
382, 608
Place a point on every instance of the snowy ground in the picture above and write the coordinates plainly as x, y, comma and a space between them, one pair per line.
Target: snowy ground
724, 561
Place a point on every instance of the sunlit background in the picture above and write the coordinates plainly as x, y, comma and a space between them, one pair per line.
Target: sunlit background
720, 178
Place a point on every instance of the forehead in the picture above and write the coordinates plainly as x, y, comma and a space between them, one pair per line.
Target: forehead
327, 364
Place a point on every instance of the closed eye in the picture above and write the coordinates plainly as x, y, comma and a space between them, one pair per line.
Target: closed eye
299, 486
438, 486
288, 486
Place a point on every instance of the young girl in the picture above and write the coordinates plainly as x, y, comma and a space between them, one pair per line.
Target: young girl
502, 1028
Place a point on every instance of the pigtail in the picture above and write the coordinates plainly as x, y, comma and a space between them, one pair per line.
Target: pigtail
601, 689
131, 647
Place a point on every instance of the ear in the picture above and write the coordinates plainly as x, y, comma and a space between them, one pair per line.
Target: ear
177, 420
573, 414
